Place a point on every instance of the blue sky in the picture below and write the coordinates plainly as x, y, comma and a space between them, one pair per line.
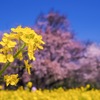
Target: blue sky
83, 15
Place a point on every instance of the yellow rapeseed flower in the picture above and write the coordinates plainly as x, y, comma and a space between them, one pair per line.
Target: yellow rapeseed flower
30, 38
20, 56
38, 41
29, 84
7, 42
12, 36
3, 58
31, 51
10, 57
28, 66
26, 37
15, 43
17, 30
5, 50
11, 79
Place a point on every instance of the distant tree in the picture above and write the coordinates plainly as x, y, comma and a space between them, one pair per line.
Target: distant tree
61, 51
90, 66
52, 22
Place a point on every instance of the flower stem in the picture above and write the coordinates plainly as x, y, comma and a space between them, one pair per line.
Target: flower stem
8, 63
4, 68
19, 50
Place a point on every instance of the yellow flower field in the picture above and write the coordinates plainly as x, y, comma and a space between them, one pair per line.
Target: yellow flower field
56, 94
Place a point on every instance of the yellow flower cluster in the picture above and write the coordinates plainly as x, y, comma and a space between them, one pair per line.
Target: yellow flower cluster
11, 79
25, 36
14, 44
56, 94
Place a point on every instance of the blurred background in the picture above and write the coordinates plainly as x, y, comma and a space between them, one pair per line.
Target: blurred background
70, 28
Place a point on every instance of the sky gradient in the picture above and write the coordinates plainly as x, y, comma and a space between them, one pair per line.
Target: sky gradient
83, 15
